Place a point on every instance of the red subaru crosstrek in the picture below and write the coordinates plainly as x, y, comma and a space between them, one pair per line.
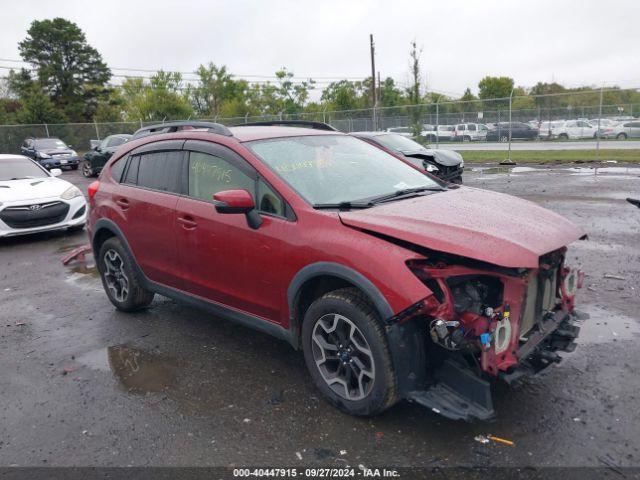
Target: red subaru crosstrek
394, 284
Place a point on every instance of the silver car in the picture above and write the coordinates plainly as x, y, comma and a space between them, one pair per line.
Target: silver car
625, 130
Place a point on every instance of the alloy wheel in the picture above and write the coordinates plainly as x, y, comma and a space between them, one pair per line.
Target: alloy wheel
115, 278
87, 171
343, 356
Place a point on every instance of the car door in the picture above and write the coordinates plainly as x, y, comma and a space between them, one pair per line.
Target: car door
223, 259
152, 182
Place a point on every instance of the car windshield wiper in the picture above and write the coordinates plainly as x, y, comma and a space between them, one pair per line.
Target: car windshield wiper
22, 178
404, 192
342, 205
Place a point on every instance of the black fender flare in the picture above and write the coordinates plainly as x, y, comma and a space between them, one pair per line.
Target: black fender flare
340, 271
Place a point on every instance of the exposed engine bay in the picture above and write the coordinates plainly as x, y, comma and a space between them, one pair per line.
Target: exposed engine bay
483, 323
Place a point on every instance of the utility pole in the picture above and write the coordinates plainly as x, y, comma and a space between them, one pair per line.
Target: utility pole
373, 80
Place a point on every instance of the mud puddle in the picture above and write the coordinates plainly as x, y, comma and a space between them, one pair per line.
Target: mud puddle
148, 371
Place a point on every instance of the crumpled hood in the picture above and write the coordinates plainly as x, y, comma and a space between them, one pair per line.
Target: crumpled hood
479, 224
31, 189
448, 158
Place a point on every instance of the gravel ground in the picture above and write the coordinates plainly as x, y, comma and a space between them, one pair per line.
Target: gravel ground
82, 384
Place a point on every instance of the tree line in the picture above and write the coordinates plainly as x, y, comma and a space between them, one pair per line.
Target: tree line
68, 81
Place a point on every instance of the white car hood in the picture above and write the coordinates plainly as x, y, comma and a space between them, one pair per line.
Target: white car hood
31, 189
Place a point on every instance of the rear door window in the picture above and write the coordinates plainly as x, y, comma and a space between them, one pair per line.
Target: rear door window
161, 171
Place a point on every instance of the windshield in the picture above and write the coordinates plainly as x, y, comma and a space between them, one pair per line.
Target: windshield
18, 168
50, 143
397, 142
327, 169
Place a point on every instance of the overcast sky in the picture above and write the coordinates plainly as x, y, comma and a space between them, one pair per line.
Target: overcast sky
574, 42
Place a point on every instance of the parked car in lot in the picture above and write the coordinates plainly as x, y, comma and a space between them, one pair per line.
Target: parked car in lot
50, 153
393, 284
623, 131
575, 130
548, 130
443, 133
404, 131
470, 132
33, 200
98, 155
444, 164
519, 131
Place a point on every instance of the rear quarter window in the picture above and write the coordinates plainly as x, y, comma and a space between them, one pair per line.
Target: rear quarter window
117, 168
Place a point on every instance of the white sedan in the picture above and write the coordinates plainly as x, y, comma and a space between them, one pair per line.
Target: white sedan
33, 200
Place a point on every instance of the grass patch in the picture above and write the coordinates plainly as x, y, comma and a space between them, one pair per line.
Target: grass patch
550, 156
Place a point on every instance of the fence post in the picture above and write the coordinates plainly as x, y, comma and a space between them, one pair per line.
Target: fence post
508, 161
46, 129
437, 123
141, 123
95, 124
246, 117
598, 132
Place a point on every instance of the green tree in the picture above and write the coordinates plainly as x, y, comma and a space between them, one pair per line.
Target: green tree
37, 107
292, 95
390, 94
160, 99
495, 87
67, 67
217, 87
344, 95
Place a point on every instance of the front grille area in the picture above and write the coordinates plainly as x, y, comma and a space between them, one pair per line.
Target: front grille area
541, 298
36, 215
449, 173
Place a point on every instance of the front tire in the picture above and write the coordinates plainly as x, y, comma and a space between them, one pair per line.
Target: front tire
346, 351
120, 282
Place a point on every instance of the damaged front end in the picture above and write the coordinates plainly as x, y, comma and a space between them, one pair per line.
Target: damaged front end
482, 323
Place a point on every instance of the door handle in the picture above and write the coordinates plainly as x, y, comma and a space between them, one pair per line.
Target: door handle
188, 223
123, 203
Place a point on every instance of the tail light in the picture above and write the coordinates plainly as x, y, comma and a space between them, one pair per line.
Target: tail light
93, 189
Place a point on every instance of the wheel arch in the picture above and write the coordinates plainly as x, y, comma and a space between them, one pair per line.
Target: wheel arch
319, 278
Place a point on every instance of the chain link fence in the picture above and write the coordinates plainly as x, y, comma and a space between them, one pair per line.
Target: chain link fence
601, 114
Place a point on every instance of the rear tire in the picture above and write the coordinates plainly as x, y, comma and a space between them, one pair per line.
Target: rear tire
87, 169
504, 138
74, 167
621, 136
563, 136
346, 351
119, 279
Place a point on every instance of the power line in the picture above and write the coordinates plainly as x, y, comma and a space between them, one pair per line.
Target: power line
145, 70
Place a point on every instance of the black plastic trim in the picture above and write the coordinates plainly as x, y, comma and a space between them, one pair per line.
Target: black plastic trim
335, 269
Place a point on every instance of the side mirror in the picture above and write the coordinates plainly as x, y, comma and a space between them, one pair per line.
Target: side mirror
238, 201
55, 172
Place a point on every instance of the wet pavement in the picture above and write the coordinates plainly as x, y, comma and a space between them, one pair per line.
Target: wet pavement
82, 384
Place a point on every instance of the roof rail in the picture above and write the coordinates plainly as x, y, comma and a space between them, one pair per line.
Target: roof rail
170, 127
291, 123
